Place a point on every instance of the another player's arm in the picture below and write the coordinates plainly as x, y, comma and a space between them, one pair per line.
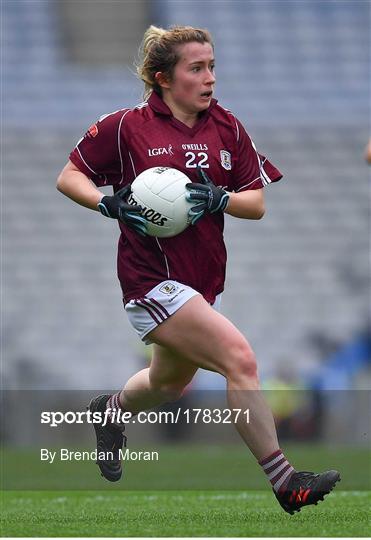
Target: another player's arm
77, 186
246, 204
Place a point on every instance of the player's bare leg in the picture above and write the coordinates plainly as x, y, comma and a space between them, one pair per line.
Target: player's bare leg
169, 373
162, 382
206, 338
196, 335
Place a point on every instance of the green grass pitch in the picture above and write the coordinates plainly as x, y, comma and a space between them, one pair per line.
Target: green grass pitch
194, 491
185, 513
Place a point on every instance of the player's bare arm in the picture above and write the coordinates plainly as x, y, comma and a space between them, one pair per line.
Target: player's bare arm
210, 198
77, 186
246, 205
368, 152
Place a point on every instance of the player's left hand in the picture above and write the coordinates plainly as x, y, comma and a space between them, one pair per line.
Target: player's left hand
207, 196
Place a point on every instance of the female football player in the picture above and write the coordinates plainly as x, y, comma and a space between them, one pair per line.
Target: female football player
172, 287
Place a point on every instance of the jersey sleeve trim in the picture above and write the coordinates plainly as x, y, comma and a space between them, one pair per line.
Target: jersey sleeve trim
84, 162
264, 176
119, 145
80, 163
247, 186
268, 174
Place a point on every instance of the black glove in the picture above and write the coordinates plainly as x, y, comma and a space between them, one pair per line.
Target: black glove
209, 197
116, 207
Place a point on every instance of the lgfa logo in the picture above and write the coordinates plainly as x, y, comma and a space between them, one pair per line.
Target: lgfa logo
160, 151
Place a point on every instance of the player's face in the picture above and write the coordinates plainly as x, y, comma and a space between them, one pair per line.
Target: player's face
193, 80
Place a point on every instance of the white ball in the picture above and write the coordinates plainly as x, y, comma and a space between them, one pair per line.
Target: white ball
161, 192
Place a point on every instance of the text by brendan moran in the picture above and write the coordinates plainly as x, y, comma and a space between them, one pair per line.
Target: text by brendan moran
64, 454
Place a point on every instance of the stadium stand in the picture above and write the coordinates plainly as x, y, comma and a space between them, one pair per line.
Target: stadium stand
296, 74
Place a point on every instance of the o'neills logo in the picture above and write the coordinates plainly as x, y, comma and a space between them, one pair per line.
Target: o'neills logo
149, 214
194, 147
160, 151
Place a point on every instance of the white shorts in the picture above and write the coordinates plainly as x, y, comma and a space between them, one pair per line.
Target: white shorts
158, 305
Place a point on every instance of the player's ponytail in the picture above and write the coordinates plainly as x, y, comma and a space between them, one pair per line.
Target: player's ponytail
159, 52
152, 35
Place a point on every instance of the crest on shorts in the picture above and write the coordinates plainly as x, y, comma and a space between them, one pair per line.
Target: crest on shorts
167, 288
226, 160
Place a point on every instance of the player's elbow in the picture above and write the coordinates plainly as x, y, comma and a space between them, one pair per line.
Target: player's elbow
59, 182
259, 211
62, 183
258, 206
66, 177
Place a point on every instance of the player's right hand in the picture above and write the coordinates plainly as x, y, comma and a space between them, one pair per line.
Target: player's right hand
117, 207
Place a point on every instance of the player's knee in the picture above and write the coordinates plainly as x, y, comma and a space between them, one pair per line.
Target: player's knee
171, 392
168, 391
242, 362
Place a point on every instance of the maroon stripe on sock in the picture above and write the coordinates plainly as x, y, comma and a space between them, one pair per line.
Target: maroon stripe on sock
269, 458
271, 469
119, 406
139, 304
110, 405
119, 400
155, 309
280, 474
115, 402
160, 306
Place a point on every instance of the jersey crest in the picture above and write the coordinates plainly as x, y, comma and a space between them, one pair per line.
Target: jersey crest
167, 288
226, 160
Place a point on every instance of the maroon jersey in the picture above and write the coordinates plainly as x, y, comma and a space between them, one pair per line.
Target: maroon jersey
124, 143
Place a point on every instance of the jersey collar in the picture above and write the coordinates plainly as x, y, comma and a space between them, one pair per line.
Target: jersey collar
159, 106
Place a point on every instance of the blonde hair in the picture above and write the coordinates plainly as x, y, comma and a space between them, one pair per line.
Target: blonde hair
159, 52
